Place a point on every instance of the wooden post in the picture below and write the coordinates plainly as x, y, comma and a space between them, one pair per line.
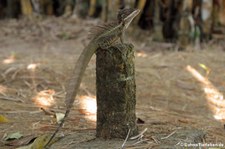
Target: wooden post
116, 92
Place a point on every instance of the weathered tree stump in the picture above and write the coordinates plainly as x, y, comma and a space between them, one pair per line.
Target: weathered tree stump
116, 92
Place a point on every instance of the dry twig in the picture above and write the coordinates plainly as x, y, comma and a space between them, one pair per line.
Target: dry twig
11, 99
139, 135
125, 139
168, 135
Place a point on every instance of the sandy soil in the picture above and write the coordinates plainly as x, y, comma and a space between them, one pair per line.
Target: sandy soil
177, 104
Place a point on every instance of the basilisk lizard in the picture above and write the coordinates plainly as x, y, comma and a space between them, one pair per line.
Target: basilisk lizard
103, 37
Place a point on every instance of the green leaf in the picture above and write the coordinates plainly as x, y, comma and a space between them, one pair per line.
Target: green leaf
203, 66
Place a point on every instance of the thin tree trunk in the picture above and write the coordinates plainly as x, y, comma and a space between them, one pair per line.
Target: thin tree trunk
26, 7
157, 23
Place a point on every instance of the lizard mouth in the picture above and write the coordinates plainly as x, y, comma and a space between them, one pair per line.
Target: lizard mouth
130, 17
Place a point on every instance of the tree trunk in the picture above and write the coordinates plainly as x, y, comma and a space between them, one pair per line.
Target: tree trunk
13, 8
105, 11
157, 24
26, 7
206, 18
81, 9
92, 8
186, 28
139, 5
116, 92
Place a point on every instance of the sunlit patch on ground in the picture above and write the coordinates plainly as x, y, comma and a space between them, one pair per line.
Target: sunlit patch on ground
3, 89
141, 54
9, 60
32, 66
87, 106
44, 99
214, 97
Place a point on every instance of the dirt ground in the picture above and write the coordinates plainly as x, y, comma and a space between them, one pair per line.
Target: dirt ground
179, 94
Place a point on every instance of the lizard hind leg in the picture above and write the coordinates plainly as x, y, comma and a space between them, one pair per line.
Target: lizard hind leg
119, 47
104, 50
122, 38
106, 47
106, 42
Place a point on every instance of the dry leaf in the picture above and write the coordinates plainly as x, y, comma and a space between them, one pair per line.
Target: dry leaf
40, 142
59, 117
12, 136
3, 119
23, 141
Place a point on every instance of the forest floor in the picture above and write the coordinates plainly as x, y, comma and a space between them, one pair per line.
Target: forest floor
179, 94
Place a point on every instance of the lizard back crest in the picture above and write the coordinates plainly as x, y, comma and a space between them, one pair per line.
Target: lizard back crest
101, 29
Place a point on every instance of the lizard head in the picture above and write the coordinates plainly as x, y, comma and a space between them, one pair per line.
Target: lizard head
125, 16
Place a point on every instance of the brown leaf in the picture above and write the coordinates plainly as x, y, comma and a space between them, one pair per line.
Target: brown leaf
20, 142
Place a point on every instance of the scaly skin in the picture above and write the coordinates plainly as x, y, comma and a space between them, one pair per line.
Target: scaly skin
108, 35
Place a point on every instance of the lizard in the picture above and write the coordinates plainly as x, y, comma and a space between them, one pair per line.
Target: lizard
103, 37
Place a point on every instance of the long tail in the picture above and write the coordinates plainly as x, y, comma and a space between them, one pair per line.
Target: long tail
74, 83
58, 128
